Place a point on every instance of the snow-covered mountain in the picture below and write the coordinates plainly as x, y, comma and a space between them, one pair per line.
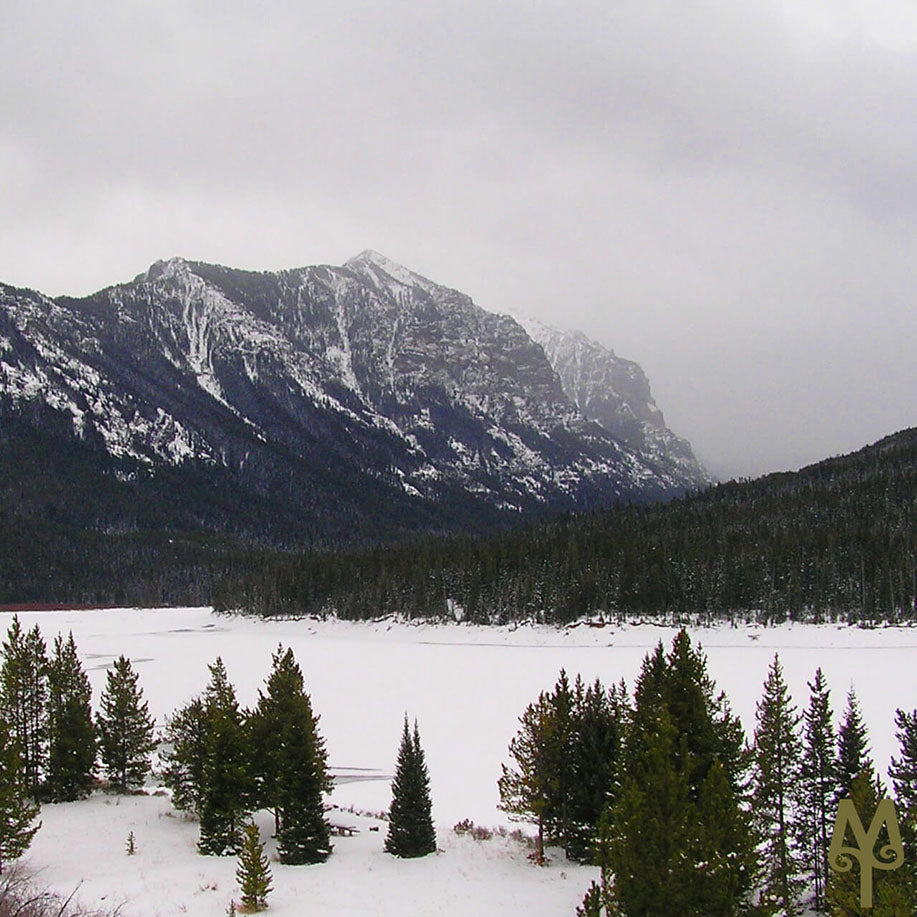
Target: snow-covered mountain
364, 394
615, 393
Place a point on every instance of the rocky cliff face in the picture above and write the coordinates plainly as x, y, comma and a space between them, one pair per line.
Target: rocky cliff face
364, 394
615, 393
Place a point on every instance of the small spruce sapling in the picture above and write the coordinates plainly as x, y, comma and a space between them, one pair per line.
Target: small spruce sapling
253, 872
130, 848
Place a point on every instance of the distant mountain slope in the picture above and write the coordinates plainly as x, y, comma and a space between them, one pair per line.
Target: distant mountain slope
834, 541
615, 393
311, 407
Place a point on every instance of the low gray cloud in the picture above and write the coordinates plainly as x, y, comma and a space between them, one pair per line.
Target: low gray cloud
723, 192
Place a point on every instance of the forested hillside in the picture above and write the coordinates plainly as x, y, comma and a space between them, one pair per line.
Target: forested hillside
836, 540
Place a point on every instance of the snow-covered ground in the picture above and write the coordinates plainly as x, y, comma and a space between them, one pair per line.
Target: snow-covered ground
465, 685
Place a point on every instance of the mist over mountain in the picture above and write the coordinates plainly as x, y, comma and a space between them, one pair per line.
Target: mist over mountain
615, 393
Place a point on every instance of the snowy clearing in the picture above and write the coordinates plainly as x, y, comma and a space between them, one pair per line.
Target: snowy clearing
466, 686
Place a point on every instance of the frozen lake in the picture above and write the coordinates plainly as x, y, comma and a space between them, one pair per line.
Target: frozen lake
465, 685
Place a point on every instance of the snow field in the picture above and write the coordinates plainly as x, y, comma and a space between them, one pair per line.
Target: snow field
466, 686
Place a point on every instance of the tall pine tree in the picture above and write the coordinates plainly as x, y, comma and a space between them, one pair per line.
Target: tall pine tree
903, 772
818, 788
776, 781
71, 733
186, 749
653, 844
225, 775
24, 698
852, 747
17, 811
290, 763
528, 787
558, 815
410, 822
682, 840
125, 727
599, 726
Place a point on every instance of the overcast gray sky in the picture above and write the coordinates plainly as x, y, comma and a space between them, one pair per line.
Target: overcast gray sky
725, 192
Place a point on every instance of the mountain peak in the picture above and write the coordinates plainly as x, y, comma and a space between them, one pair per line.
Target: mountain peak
164, 269
370, 263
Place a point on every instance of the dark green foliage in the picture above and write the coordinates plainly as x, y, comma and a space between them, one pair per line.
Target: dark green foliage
80, 526
290, 767
818, 788
681, 840
225, 780
654, 827
903, 772
410, 822
17, 811
592, 903
776, 785
565, 759
833, 541
71, 733
23, 700
852, 747
253, 872
183, 771
597, 732
125, 727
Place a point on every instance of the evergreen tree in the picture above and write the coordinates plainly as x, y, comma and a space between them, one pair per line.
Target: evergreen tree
125, 727
598, 729
558, 817
652, 847
71, 733
852, 747
24, 698
183, 771
776, 777
903, 772
410, 824
290, 763
818, 788
682, 840
253, 872
17, 811
225, 784
529, 786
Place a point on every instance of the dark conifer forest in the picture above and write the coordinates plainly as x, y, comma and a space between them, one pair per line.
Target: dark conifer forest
834, 541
